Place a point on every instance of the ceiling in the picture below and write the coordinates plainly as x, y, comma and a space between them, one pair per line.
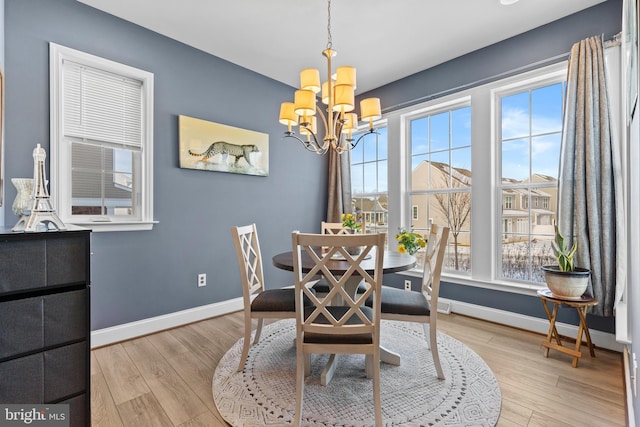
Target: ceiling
384, 39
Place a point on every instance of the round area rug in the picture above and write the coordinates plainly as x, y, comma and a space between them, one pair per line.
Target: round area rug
265, 392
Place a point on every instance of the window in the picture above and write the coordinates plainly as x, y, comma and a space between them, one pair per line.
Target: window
508, 202
530, 131
101, 141
509, 130
369, 163
440, 152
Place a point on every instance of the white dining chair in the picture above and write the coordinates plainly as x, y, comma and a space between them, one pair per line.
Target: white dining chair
332, 228
350, 328
322, 286
421, 307
259, 303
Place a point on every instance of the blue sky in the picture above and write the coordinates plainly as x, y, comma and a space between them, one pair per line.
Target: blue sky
531, 133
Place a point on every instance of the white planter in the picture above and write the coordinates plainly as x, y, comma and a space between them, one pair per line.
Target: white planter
566, 284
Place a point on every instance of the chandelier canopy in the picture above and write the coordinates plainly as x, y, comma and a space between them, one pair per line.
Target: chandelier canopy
338, 94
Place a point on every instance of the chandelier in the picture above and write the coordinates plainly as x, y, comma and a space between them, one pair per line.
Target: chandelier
338, 94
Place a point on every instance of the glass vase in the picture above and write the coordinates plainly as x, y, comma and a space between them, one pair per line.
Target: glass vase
22, 202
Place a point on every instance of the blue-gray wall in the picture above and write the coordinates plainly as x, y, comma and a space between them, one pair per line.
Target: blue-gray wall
136, 275
549, 43
511, 56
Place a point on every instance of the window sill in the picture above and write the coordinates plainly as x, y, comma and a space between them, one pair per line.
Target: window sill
99, 227
513, 287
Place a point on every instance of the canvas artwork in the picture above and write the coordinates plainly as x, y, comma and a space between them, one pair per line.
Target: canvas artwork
210, 146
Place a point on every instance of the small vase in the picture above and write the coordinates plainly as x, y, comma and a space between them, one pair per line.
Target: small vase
354, 250
22, 202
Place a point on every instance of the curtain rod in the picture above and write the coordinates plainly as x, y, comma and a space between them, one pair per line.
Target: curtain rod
614, 41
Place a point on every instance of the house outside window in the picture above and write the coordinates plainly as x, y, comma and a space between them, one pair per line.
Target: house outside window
101, 141
414, 212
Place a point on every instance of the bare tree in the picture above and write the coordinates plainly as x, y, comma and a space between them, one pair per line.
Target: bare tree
457, 208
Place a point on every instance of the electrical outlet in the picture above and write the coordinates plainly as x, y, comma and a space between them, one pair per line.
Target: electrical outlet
407, 285
202, 280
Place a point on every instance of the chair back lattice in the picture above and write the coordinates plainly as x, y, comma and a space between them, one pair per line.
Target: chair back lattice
352, 317
333, 228
434, 257
247, 246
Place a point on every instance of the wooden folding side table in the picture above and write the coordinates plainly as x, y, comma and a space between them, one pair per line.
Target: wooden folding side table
581, 305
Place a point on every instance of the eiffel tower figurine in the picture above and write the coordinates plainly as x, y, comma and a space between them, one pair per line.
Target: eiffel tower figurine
41, 210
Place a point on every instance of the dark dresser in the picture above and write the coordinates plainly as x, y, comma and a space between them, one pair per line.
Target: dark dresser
44, 320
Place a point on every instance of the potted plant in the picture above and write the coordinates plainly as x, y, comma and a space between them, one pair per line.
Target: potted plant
565, 280
409, 242
351, 223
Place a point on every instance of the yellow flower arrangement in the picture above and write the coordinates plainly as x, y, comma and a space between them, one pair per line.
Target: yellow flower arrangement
351, 222
409, 242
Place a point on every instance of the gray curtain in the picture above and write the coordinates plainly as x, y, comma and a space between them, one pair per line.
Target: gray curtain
339, 185
586, 194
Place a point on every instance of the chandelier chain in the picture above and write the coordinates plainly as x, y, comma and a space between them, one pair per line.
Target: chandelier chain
329, 40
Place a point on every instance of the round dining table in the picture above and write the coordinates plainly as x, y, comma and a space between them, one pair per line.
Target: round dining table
393, 262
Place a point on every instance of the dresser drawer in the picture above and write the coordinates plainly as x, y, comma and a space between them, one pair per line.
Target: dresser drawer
22, 265
22, 380
65, 317
65, 371
45, 377
66, 260
20, 326
32, 323
78, 412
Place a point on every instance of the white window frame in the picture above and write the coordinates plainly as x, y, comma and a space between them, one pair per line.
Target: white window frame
486, 202
375, 227
60, 150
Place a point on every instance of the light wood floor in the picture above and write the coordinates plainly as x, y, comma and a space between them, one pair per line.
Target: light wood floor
165, 379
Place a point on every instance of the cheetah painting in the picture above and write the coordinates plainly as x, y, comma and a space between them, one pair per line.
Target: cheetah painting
215, 147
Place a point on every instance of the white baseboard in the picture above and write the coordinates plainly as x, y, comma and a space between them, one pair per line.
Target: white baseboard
127, 331
106, 336
535, 324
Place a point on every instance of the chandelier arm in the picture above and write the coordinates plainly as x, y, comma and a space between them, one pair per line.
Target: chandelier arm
370, 131
310, 146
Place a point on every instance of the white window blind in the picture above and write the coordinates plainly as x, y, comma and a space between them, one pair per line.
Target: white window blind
101, 107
